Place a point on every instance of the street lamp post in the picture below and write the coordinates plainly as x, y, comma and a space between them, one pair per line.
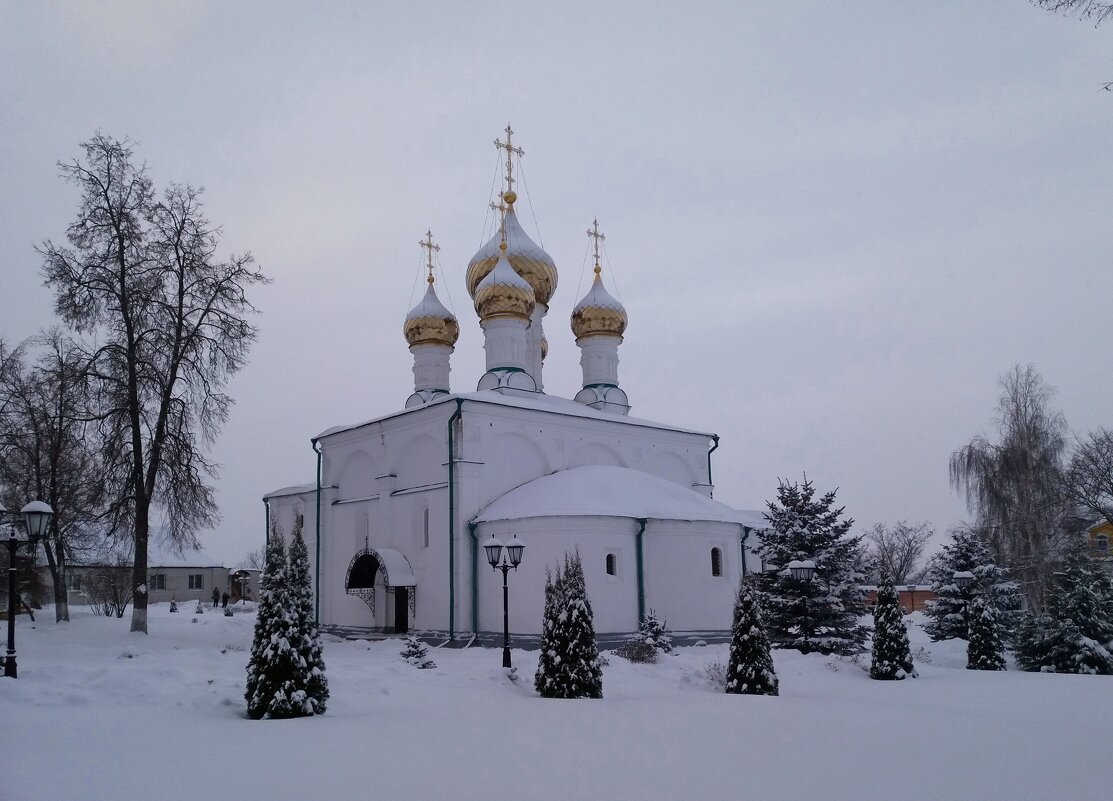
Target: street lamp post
503, 560
911, 598
803, 571
965, 580
36, 518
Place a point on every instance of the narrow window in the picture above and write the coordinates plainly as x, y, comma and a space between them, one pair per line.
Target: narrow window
716, 562
425, 527
612, 564
1102, 543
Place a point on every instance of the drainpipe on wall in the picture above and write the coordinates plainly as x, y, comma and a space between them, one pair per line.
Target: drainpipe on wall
746, 530
456, 415
640, 562
711, 450
317, 557
267, 533
474, 578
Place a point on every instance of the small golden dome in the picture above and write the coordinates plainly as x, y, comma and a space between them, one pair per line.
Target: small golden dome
598, 314
503, 293
525, 256
430, 323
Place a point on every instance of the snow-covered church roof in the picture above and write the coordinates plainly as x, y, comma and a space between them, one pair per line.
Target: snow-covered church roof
606, 491
538, 402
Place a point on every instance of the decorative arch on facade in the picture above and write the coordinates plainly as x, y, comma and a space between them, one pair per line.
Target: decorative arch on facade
671, 466
422, 456
368, 563
357, 476
595, 453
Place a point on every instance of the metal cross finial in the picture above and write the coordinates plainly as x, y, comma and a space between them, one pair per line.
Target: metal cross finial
501, 208
593, 232
427, 243
510, 152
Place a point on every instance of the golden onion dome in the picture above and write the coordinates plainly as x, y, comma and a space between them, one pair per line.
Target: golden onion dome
525, 256
598, 313
503, 293
430, 323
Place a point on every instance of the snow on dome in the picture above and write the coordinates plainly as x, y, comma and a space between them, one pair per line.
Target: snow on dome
525, 256
607, 491
430, 323
503, 293
598, 313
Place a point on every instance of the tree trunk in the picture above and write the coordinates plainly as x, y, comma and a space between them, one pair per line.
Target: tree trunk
139, 569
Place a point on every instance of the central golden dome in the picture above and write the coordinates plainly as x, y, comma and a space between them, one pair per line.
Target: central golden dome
525, 256
503, 293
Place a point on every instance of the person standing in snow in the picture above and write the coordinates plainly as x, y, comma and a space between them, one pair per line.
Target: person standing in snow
224, 600
216, 597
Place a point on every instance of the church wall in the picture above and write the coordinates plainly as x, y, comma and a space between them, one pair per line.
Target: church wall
680, 586
614, 599
380, 477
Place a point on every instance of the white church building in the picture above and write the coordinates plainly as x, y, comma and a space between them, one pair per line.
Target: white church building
396, 519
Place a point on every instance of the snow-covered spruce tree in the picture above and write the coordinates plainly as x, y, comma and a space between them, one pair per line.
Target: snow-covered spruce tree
984, 650
750, 668
1075, 635
313, 695
570, 653
967, 551
417, 654
892, 658
655, 632
274, 670
547, 664
820, 615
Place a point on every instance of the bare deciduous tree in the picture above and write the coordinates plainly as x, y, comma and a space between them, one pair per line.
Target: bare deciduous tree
897, 549
109, 589
170, 317
1083, 9
45, 449
1089, 481
1014, 487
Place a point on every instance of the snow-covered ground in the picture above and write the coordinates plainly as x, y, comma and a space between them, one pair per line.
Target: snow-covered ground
99, 714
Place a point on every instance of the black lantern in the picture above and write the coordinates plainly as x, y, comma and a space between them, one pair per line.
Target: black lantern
801, 571
36, 519
964, 579
514, 550
493, 547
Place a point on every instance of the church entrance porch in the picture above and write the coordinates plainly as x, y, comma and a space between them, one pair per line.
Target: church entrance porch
383, 575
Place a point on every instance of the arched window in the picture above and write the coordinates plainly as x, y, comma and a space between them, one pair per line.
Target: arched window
612, 565
716, 562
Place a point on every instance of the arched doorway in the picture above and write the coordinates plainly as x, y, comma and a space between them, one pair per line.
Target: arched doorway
397, 584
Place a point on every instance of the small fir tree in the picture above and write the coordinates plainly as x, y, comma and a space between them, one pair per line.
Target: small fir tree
821, 614
274, 670
547, 664
417, 654
984, 650
313, 696
967, 551
1075, 634
655, 632
570, 655
750, 668
892, 657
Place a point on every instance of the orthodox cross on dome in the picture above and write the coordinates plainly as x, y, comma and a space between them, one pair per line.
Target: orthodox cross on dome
511, 151
427, 244
598, 237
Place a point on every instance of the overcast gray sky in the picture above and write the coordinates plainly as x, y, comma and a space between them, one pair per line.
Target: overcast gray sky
833, 226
